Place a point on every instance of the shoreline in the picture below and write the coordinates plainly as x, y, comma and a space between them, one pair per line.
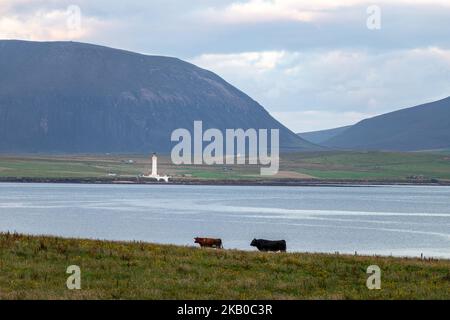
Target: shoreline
231, 182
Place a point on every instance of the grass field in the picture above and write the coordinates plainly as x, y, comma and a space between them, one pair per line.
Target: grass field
313, 165
370, 165
35, 268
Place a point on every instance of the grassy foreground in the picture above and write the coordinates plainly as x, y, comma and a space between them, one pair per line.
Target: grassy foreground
35, 268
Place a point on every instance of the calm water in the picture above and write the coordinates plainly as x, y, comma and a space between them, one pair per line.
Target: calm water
374, 220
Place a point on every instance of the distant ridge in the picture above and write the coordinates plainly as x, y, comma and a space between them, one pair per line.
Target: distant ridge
321, 136
73, 97
424, 127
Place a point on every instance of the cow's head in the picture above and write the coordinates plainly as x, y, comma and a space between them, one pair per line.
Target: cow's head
253, 243
196, 240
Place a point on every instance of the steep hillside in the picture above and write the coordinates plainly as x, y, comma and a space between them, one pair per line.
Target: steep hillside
80, 98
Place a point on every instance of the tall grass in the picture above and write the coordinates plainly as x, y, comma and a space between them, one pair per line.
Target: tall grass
34, 267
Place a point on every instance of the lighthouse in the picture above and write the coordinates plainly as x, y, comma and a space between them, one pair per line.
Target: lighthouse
154, 172
154, 165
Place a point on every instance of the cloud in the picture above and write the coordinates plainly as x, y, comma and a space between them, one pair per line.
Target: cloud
46, 23
258, 11
349, 82
185, 29
255, 61
263, 11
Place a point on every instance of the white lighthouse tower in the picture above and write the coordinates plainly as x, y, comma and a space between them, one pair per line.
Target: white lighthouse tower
154, 173
154, 165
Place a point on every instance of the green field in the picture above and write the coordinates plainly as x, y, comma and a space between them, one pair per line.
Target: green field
65, 167
308, 165
371, 165
35, 268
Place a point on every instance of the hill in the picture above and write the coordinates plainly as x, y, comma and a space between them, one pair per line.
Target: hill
72, 97
321, 136
424, 127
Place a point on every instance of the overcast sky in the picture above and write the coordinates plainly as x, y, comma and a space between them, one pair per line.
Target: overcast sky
312, 64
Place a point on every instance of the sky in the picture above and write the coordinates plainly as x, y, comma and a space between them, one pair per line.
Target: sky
312, 64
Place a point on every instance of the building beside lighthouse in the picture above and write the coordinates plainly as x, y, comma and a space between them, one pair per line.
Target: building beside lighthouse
154, 172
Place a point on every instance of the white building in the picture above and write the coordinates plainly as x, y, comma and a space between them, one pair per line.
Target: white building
154, 165
154, 173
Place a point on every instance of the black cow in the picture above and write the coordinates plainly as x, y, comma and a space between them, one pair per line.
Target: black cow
269, 245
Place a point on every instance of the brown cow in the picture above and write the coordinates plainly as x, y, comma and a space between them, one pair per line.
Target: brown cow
209, 242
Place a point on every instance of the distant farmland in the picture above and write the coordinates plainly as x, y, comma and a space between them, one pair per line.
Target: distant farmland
309, 165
